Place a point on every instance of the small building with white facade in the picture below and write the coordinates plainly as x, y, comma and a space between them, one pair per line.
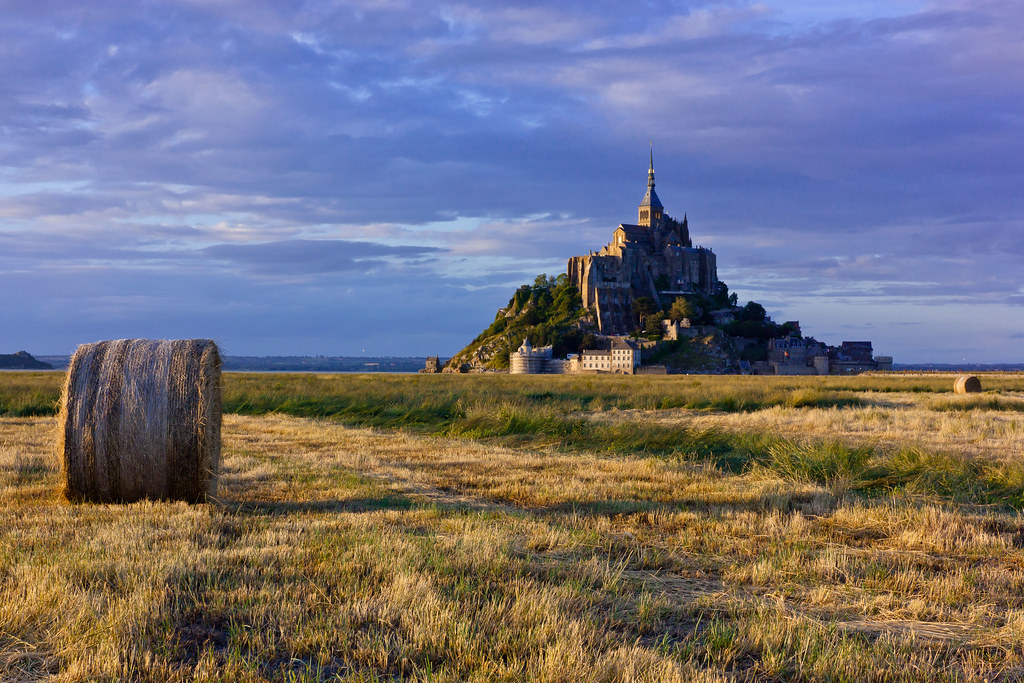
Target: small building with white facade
530, 361
623, 358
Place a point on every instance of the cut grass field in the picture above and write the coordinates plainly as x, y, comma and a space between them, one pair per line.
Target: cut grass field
546, 528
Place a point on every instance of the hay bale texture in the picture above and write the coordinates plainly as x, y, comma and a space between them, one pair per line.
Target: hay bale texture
967, 384
140, 418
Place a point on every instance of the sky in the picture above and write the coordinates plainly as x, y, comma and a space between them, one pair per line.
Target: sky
376, 177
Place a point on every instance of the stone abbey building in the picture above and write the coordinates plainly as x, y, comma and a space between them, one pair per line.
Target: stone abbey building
654, 258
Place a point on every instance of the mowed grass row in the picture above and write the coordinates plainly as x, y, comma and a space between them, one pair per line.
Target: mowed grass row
552, 412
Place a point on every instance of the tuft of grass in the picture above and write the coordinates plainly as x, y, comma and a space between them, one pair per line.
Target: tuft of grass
831, 463
954, 477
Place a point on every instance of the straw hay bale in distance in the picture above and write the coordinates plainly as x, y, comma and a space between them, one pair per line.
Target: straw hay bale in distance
967, 384
140, 418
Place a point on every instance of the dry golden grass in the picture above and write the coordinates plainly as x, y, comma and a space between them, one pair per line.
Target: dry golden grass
891, 419
338, 553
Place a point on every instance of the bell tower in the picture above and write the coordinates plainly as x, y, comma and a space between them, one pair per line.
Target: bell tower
651, 209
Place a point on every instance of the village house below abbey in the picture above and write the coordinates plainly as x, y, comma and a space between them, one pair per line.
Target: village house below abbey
654, 258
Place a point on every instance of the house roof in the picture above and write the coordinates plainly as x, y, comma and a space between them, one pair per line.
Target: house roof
651, 199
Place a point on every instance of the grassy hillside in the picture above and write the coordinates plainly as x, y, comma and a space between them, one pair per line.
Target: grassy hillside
703, 354
548, 312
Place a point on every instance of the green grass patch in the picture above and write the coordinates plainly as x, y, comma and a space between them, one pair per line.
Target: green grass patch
29, 394
387, 400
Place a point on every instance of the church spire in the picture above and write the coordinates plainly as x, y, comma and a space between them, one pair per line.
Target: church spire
650, 209
650, 169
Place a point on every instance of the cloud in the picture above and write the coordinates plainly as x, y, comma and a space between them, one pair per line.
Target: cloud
860, 152
316, 256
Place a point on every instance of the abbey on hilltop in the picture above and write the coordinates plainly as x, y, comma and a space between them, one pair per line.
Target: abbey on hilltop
648, 303
654, 258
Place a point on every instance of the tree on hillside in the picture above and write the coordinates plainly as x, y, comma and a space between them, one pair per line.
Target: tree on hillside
567, 299
642, 307
753, 322
753, 311
681, 308
544, 281
652, 323
520, 298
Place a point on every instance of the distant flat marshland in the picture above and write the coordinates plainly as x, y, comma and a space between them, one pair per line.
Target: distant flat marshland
530, 528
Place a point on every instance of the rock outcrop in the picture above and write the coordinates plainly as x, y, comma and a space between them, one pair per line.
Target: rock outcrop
22, 360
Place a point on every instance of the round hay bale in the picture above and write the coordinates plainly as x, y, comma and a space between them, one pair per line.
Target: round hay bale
140, 418
967, 384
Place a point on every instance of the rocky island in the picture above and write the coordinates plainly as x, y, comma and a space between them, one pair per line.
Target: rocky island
22, 360
649, 290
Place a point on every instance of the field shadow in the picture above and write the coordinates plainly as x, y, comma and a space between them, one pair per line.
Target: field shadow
285, 507
804, 502
783, 502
